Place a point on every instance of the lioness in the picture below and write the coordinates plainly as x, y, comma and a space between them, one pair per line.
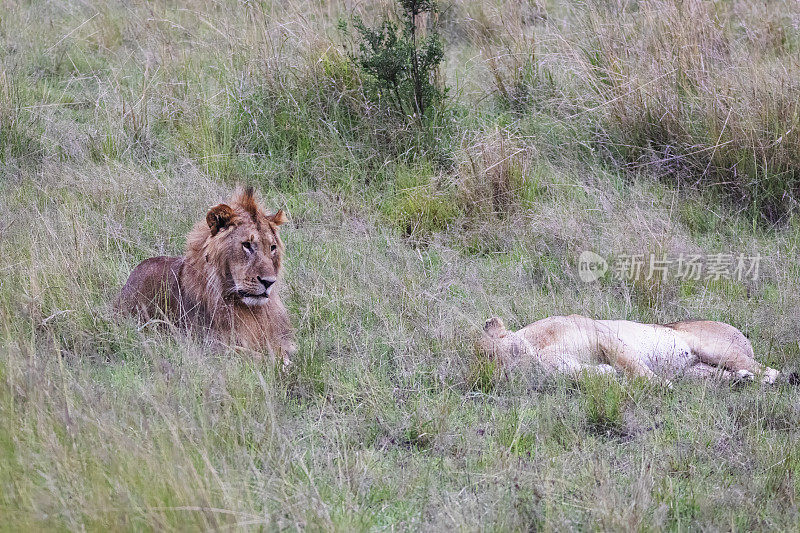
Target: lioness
574, 344
224, 285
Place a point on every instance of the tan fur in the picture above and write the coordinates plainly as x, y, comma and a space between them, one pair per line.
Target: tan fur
574, 344
225, 285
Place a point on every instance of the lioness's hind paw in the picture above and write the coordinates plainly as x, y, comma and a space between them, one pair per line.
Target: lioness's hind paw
770, 376
744, 375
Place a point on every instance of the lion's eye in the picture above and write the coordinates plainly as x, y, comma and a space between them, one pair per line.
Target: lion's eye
273, 247
248, 247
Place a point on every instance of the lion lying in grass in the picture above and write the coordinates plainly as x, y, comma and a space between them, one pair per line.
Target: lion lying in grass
574, 344
224, 285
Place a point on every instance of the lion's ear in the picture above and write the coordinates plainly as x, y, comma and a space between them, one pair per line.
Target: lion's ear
279, 218
219, 217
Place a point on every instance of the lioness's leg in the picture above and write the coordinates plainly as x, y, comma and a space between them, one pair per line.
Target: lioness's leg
573, 368
624, 357
737, 357
722, 345
729, 357
707, 372
632, 366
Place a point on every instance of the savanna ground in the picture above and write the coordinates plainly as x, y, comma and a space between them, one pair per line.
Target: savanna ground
620, 127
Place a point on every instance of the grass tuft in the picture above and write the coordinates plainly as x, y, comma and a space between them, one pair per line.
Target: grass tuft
603, 399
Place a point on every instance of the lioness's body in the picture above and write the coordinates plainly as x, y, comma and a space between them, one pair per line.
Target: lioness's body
224, 285
571, 344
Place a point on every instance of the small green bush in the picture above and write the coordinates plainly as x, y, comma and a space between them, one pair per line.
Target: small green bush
401, 65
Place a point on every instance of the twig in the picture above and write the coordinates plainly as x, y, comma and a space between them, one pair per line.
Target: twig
57, 313
719, 138
73, 31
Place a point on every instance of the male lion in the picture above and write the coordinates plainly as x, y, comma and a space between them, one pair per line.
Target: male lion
224, 285
574, 344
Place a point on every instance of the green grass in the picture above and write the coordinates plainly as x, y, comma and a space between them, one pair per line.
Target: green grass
121, 124
419, 205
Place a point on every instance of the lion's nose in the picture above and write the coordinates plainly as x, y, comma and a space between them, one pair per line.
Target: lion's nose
266, 282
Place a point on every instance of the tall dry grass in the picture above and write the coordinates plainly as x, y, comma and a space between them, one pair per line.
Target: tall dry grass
699, 93
401, 243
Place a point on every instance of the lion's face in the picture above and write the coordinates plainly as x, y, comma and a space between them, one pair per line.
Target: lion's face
244, 249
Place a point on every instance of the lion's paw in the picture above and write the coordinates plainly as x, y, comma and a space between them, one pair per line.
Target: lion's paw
770, 376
